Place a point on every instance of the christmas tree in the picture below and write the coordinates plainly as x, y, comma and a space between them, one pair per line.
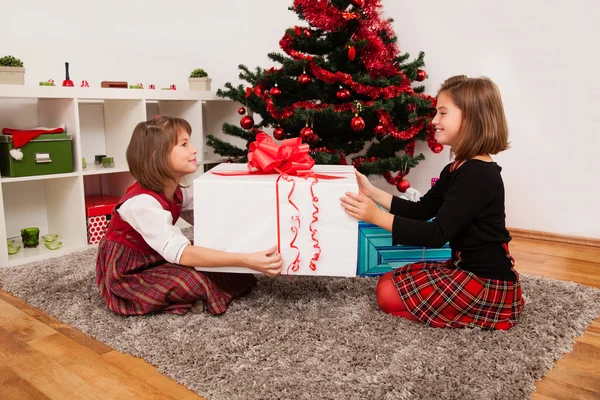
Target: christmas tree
343, 87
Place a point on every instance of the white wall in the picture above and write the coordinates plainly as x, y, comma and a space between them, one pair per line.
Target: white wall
542, 54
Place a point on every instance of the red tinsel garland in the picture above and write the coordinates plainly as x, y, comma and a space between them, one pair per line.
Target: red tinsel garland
377, 56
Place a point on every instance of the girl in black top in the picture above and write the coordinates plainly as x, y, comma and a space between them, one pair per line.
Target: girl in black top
478, 286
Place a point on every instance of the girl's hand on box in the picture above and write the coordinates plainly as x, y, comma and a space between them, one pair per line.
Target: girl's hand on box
359, 206
268, 262
364, 185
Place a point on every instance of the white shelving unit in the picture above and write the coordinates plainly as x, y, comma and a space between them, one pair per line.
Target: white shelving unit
100, 121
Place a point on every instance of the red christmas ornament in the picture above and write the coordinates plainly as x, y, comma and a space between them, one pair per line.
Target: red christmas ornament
314, 139
343, 94
403, 185
351, 53
247, 122
304, 79
307, 33
379, 130
357, 124
279, 133
275, 91
307, 134
421, 75
358, 3
241, 111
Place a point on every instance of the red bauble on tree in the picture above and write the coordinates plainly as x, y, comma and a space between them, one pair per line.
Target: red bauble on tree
275, 91
421, 75
307, 33
307, 134
343, 94
314, 139
351, 53
241, 111
379, 130
279, 133
247, 122
304, 79
403, 185
357, 124
358, 3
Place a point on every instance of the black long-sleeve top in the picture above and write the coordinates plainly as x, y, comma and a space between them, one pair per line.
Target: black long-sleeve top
468, 206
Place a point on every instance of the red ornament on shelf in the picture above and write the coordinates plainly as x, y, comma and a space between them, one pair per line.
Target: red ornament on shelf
351, 53
403, 185
279, 133
304, 79
379, 130
241, 111
275, 91
307, 134
247, 122
343, 94
421, 75
357, 124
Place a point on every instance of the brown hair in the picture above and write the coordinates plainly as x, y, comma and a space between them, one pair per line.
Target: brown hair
149, 150
484, 129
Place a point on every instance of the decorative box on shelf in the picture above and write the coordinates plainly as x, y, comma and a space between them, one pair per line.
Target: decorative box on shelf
98, 209
46, 154
237, 211
377, 255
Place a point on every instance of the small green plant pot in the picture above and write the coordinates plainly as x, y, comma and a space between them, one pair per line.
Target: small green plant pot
53, 245
49, 238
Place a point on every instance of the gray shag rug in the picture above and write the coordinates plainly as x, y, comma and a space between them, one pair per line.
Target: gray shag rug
309, 338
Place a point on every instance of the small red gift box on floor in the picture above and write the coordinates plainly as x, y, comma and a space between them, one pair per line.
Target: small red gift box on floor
98, 209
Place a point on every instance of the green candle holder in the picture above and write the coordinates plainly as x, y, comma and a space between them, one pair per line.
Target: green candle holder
108, 162
30, 237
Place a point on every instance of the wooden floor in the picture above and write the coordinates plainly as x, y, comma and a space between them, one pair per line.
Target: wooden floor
41, 358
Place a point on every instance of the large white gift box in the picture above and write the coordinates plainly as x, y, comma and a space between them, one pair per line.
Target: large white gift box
251, 212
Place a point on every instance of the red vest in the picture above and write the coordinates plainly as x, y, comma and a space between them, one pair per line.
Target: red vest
120, 231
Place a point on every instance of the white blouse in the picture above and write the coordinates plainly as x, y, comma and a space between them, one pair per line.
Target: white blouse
145, 214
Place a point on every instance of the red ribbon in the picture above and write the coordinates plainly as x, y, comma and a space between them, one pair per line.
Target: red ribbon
289, 157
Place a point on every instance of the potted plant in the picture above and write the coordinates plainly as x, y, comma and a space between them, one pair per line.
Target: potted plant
199, 80
12, 71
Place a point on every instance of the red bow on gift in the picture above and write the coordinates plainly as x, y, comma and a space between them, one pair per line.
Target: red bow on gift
290, 157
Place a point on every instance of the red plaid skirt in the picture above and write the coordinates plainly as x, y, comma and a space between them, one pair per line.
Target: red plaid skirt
446, 297
134, 283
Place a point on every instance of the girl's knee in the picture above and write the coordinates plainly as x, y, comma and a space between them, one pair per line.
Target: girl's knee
388, 298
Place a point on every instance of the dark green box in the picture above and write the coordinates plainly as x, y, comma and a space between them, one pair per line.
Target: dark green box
46, 154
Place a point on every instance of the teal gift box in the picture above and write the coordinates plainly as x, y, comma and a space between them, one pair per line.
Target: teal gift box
377, 255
